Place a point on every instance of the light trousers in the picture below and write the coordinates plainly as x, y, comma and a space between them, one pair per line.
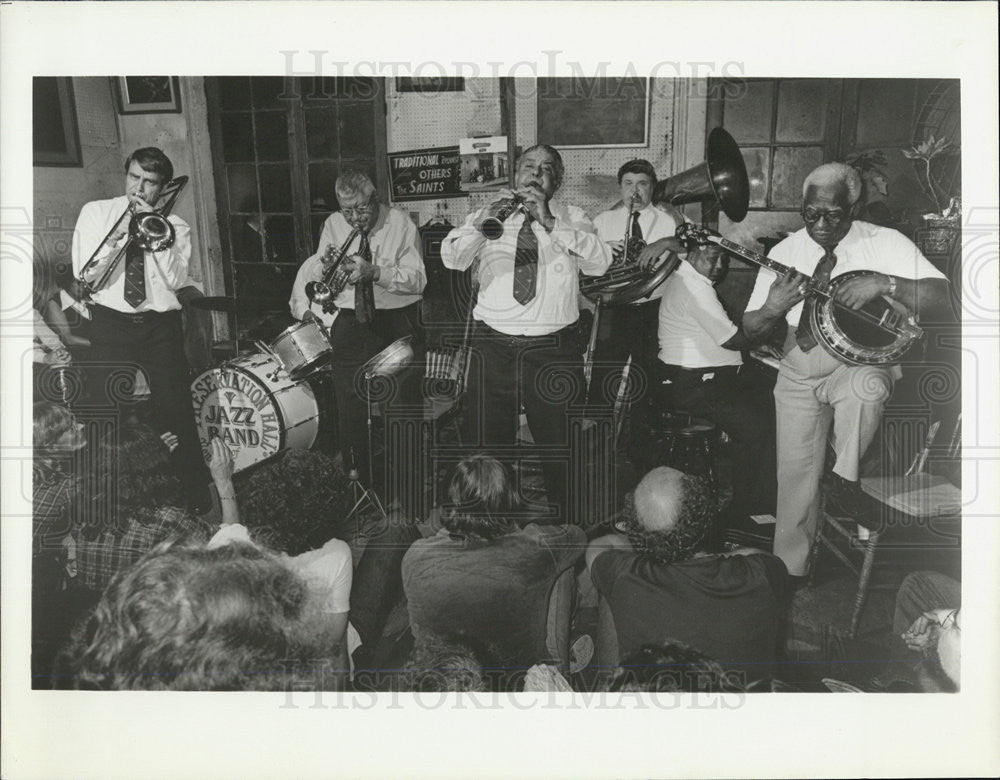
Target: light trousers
813, 391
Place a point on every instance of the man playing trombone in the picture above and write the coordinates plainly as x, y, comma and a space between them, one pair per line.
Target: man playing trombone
135, 314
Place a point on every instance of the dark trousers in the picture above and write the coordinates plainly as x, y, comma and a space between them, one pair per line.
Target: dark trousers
154, 342
721, 399
354, 343
624, 331
544, 374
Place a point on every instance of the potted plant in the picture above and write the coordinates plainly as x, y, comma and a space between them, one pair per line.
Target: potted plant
946, 213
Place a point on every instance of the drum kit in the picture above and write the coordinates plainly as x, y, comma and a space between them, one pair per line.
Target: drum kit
264, 402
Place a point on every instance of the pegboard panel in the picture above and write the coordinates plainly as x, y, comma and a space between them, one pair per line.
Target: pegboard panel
419, 120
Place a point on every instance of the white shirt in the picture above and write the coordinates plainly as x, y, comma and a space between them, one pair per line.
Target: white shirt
166, 270
395, 251
572, 247
693, 323
866, 247
655, 224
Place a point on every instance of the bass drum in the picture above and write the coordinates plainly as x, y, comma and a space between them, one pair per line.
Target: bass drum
255, 408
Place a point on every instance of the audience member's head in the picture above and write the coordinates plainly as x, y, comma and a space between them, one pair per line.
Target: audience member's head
481, 499
670, 514
294, 502
55, 432
191, 618
444, 664
135, 465
673, 668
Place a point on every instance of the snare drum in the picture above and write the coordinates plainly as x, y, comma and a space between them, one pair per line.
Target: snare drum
255, 408
302, 348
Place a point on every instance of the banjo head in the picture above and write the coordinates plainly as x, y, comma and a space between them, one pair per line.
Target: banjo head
879, 333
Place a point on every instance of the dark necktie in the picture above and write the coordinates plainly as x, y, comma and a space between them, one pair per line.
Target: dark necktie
364, 293
525, 264
135, 275
804, 335
636, 228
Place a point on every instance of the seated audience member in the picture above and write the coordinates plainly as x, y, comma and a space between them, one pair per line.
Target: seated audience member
187, 617
484, 580
670, 667
927, 621
662, 582
55, 488
438, 664
139, 504
327, 571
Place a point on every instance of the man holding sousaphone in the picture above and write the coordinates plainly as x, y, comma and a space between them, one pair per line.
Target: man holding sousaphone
364, 283
131, 256
839, 360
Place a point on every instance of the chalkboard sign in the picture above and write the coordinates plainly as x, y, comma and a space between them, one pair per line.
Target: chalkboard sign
593, 112
421, 174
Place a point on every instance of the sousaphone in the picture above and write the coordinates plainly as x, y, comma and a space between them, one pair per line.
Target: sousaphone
721, 178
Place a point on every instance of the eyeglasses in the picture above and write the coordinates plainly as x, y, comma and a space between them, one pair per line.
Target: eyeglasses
833, 218
359, 210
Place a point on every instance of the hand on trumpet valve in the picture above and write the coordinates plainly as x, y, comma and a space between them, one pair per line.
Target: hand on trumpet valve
360, 270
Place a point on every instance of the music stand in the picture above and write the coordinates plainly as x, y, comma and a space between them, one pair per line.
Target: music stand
387, 363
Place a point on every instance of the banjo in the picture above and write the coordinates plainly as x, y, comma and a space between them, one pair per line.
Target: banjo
878, 333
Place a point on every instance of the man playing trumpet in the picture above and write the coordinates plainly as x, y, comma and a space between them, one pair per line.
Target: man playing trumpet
525, 349
383, 278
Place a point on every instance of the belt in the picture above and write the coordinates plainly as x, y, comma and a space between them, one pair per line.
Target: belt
482, 329
136, 318
705, 374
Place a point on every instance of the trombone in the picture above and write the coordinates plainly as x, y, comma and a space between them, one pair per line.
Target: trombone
151, 230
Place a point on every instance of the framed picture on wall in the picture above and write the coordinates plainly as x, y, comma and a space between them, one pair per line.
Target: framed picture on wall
55, 136
147, 94
593, 112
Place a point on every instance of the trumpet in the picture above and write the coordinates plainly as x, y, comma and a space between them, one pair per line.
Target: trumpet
151, 230
492, 225
332, 283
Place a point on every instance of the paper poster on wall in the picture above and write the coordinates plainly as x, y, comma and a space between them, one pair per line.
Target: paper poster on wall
484, 163
423, 174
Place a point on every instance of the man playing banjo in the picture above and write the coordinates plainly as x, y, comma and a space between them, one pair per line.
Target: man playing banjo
814, 387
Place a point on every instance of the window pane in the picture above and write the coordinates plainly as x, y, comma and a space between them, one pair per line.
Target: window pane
242, 188
316, 222
234, 92
267, 286
266, 91
272, 135
357, 130
885, 112
245, 239
322, 195
801, 110
322, 133
791, 166
237, 137
748, 110
275, 188
280, 238
758, 162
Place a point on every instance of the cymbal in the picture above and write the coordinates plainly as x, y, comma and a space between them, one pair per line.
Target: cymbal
214, 303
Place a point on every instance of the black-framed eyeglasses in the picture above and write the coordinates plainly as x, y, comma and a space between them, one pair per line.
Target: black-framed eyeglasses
833, 218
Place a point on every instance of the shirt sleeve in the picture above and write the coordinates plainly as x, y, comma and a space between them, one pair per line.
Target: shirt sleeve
607, 567
576, 235
462, 244
406, 273
904, 259
329, 573
174, 261
706, 309
229, 534
299, 302
87, 234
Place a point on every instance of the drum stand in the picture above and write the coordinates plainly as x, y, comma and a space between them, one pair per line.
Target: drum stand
365, 496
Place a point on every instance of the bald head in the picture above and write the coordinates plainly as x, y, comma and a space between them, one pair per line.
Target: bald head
659, 497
